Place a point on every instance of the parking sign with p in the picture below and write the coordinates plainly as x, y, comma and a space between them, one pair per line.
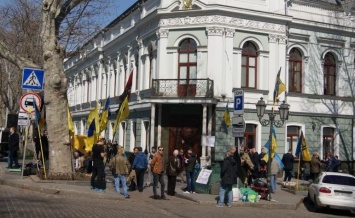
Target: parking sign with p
239, 102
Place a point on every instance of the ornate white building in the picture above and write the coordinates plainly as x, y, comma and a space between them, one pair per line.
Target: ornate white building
187, 60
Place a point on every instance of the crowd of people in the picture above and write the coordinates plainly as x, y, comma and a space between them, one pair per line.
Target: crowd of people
139, 169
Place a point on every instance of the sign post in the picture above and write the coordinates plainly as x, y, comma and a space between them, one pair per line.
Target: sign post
27, 102
32, 78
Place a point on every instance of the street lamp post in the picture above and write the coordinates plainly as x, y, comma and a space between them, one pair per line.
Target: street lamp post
283, 111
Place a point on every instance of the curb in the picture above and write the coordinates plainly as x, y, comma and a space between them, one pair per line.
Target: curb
262, 204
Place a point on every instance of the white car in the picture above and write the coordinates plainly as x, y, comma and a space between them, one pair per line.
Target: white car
333, 190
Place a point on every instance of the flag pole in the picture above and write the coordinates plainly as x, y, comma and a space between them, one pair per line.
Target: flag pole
40, 141
25, 146
298, 171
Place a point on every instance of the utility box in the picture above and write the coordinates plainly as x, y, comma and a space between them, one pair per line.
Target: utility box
213, 180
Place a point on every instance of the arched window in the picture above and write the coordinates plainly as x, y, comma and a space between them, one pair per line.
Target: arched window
295, 71
329, 74
187, 67
249, 65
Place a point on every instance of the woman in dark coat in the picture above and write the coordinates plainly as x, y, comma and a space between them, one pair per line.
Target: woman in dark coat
173, 170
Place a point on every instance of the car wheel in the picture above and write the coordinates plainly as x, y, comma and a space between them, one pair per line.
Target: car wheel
315, 205
309, 197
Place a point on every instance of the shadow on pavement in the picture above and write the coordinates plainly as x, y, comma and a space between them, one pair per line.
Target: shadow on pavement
309, 205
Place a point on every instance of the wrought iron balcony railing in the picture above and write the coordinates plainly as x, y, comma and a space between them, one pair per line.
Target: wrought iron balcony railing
202, 88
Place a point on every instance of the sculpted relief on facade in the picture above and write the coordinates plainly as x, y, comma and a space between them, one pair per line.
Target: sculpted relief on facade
224, 20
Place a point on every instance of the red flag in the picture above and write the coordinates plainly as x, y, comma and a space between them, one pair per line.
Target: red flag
127, 88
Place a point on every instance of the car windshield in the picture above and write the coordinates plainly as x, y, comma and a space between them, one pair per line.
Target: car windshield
339, 180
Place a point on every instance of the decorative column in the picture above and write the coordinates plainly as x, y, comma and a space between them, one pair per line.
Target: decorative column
162, 35
152, 126
215, 54
204, 131
209, 130
237, 82
229, 65
140, 66
100, 72
145, 72
160, 109
273, 64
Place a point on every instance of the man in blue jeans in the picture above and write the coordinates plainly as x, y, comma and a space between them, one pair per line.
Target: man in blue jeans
190, 162
229, 176
121, 166
275, 168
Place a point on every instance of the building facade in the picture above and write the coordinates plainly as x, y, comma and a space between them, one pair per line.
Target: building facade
187, 57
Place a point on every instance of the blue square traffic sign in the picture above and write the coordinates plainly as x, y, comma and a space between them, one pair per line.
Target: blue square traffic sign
239, 102
32, 78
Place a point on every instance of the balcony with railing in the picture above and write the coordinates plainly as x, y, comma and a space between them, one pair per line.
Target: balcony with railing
198, 88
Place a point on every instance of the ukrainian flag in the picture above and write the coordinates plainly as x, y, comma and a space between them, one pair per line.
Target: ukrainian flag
123, 113
106, 113
279, 86
226, 116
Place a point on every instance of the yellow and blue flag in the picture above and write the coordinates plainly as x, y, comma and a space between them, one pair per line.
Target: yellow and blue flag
106, 113
226, 116
302, 148
37, 112
273, 143
279, 86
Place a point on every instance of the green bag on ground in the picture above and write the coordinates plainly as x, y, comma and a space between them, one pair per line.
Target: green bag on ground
252, 195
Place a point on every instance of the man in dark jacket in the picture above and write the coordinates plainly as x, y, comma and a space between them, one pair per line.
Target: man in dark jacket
14, 141
190, 162
45, 145
229, 177
98, 169
287, 160
140, 165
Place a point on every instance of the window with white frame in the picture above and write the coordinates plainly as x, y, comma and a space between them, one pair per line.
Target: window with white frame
249, 65
293, 133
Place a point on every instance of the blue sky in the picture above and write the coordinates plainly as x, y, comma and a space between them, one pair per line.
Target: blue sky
117, 8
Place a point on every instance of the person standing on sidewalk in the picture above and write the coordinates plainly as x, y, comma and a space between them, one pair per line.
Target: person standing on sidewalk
121, 166
98, 169
275, 168
229, 176
172, 170
190, 162
287, 160
157, 166
149, 173
315, 166
140, 165
14, 141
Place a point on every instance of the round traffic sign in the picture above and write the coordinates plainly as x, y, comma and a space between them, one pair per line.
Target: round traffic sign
27, 102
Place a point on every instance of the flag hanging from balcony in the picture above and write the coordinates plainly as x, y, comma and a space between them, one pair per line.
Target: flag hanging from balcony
302, 148
226, 116
279, 86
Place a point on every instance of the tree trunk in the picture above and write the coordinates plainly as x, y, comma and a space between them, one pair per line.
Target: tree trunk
55, 96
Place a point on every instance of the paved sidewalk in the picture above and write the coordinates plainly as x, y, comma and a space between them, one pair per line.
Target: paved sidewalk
280, 200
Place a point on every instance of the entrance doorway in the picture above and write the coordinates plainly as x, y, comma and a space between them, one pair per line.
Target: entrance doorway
185, 132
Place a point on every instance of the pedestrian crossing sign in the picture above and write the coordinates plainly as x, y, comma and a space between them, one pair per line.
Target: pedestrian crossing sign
32, 78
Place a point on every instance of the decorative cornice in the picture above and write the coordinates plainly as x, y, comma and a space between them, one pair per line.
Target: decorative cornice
215, 31
273, 38
162, 33
223, 20
229, 32
283, 39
